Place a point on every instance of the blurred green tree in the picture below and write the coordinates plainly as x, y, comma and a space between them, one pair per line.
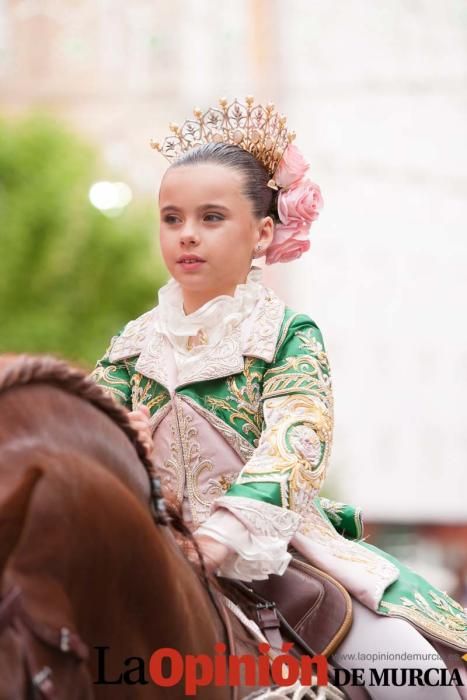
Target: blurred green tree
70, 276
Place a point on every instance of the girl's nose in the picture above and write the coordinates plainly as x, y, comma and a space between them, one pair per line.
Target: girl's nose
188, 235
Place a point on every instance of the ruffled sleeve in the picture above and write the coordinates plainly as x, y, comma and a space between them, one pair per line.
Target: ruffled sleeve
288, 467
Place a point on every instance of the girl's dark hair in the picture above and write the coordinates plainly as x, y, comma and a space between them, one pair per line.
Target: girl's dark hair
255, 175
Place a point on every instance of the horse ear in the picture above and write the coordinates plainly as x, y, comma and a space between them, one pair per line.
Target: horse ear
13, 513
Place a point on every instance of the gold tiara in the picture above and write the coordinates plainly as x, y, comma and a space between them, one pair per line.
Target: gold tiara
258, 129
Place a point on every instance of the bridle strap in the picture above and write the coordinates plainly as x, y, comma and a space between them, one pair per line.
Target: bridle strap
229, 637
10, 607
12, 612
40, 677
63, 639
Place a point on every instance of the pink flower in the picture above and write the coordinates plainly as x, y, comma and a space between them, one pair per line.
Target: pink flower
300, 202
289, 243
298, 205
291, 168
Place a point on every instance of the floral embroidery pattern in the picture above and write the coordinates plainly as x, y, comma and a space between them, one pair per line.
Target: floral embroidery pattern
307, 373
111, 380
294, 447
448, 622
261, 518
346, 519
130, 341
243, 401
238, 443
188, 468
145, 392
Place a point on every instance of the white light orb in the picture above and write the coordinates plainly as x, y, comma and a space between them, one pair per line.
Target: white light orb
110, 197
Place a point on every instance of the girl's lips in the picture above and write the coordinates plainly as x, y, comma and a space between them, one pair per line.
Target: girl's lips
190, 266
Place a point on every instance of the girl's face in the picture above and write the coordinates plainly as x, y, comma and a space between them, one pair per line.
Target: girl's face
208, 231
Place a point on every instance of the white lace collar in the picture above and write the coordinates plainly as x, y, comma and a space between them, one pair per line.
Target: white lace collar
217, 318
158, 359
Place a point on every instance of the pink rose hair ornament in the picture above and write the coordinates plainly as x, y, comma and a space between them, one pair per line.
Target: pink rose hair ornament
261, 131
298, 204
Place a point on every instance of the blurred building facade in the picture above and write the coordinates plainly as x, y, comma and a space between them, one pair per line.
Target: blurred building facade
377, 95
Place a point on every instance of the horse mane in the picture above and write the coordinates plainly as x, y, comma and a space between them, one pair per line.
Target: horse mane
24, 370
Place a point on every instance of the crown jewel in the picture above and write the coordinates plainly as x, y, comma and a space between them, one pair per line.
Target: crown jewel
258, 129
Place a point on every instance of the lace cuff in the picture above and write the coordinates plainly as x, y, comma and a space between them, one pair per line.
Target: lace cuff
257, 532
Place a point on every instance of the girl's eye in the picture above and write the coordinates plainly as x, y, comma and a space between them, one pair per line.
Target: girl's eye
170, 218
214, 217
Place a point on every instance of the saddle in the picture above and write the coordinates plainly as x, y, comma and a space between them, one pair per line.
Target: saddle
304, 606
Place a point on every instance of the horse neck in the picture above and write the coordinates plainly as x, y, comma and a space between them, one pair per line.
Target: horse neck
90, 556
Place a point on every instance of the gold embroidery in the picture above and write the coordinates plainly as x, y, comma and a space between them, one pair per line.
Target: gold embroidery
284, 333
334, 509
226, 481
449, 627
194, 341
294, 447
114, 393
319, 530
142, 395
161, 412
304, 373
108, 381
240, 444
212, 488
191, 466
174, 476
243, 402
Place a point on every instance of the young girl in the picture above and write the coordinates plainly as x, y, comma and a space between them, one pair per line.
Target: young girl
231, 392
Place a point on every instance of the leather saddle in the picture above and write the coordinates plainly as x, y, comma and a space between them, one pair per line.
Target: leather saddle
305, 606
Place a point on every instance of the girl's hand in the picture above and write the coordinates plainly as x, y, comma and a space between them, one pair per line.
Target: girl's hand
140, 421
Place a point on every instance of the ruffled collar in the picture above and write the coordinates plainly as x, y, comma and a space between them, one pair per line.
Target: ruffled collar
151, 340
215, 319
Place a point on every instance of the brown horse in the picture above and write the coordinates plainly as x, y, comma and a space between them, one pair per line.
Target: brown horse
90, 587
92, 580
